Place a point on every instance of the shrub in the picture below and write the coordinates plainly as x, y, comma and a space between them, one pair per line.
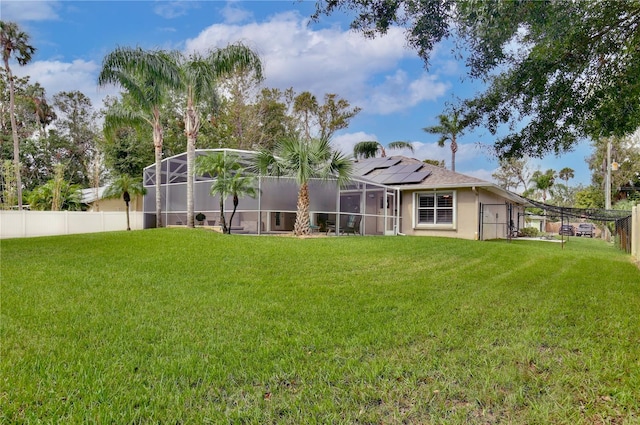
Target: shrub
529, 232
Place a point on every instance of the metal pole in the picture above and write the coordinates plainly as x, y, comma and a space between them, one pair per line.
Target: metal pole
607, 189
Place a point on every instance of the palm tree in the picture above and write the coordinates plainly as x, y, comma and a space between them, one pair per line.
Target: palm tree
448, 129
15, 43
543, 181
221, 166
565, 174
126, 186
147, 76
304, 160
370, 149
240, 185
199, 75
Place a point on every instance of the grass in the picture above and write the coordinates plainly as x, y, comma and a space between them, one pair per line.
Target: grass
178, 326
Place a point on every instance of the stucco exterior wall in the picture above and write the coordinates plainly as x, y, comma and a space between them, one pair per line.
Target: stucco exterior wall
466, 222
116, 205
495, 218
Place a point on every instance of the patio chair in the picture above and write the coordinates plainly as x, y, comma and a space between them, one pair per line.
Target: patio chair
352, 225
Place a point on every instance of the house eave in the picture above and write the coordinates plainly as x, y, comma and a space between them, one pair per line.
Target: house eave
491, 187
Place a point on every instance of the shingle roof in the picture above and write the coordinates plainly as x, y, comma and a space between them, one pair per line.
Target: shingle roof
401, 170
89, 195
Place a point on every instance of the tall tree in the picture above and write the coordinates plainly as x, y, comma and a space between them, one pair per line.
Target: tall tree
566, 174
276, 122
513, 173
334, 114
44, 112
305, 107
626, 152
238, 112
573, 73
15, 43
7, 185
126, 186
449, 128
371, 148
303, 160
32, 115
199, 75
147, 76
76, 123
543, 182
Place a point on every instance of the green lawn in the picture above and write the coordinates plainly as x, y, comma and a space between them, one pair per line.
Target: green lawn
177, 326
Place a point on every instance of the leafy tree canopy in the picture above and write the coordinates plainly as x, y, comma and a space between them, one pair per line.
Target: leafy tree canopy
557, 71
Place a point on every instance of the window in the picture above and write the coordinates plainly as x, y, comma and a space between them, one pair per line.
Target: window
436, 208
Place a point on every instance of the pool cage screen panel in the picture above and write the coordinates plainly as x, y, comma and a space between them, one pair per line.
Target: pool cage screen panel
274, 207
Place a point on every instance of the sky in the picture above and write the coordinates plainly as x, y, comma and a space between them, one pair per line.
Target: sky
398, 96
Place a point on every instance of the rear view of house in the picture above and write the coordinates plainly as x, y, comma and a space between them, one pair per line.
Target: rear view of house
389, 196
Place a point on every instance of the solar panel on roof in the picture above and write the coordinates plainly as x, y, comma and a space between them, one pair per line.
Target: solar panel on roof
416, 177
377, 178
412, 168
395, 178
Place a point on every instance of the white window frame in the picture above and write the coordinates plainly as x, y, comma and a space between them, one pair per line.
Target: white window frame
434, 225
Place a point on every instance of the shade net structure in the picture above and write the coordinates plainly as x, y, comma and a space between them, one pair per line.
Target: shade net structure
274, 208
618, 221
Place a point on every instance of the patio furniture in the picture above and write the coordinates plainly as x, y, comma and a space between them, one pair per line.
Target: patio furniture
351, 225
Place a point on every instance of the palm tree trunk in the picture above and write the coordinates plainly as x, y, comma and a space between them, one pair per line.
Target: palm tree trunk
14, 133
302, 216
191, 126
157, 143
454, 149
128, 223
191, 153
235, 206
223, 224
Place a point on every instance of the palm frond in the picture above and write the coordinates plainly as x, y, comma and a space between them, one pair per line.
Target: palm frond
235, 57
366, 149
401, 145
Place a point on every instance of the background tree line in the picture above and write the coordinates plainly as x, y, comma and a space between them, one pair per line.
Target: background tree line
555, 73
65, 138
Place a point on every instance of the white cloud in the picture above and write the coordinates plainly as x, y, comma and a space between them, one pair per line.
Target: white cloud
234, 14
58, 76
329, 60
173, 9
346, 142
468, 155
481, 173
22, 11
398, 93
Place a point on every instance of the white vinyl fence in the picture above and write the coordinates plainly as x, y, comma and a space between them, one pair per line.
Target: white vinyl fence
26, 224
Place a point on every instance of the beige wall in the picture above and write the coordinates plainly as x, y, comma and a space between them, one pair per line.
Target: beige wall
465, 223
467, 211
117, 205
